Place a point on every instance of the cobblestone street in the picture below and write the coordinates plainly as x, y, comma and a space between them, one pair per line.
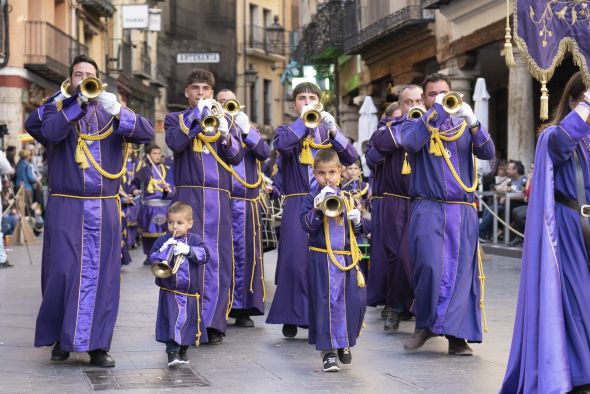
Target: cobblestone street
251, 360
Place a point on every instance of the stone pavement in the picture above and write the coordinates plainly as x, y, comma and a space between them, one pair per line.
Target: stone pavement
253, 360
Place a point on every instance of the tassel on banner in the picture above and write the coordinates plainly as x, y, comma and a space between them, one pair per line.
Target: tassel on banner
197, 145
406, 169
544, 101
508, 53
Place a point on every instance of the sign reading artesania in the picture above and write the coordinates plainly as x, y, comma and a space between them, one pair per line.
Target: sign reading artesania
197, 57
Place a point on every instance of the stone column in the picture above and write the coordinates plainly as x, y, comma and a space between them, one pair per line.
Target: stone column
461, 82
521, 132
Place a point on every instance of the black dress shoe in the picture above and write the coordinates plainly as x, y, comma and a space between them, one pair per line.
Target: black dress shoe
244, 321
215, 337
59, 355
100, 358
289, 330
392, 322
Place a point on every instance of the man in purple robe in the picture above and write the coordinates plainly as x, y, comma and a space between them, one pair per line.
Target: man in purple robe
202, 180
443, 224
395, 210
87, 144
298, 145
249, 292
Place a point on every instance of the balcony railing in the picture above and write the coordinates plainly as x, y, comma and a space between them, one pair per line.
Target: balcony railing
321, 40
99, 7
372, 20
142, 67
121, 59
49, 51
258, 39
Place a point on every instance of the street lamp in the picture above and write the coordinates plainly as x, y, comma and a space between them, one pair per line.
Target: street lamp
274, 33
251, 75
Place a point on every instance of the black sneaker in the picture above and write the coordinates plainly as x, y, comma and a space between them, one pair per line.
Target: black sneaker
59, 355
173, 359
100, 358
244, 321
214, 337
392, 322
330, 363
344, 355
385, 312
289, 330
182, 356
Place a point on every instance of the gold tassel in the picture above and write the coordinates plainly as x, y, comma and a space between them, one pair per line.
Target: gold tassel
432, 146
436, 148
360, 278
406, 169
544, 101
508, 53
306, 157
80, 157
197, 145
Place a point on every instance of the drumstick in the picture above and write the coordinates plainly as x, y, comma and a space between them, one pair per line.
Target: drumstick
156, 168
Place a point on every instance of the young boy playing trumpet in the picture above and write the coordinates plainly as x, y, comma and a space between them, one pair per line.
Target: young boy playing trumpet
177, 261
337, 298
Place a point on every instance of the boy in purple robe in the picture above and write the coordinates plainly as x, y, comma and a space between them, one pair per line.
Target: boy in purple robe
249, 292
550, 350
337, 299
395, 210
179, 310
443, 223
298, 145
154, 183
87, 143
201, 180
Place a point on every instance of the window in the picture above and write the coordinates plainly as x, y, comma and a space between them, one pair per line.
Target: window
253, 103
267, 102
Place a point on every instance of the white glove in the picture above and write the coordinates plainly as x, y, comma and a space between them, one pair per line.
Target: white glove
466, 113
181, 248
328, 121
170, 241
439, 98
587, 95
81, 99
223, 127
202, 104
243, 122
307, 108
321, 195
354, 215
59, 97
109, 103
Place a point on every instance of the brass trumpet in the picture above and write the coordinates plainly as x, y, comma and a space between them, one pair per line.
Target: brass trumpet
231, 107
65, 88
210, 123
162, 269
91, 87
332, 206
313, 117
416, 112
452, 102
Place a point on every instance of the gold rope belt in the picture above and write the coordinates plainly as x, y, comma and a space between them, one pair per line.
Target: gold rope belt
197, 296
295, 195
322, 250
396, 195
471, 204
116, 197
202, 187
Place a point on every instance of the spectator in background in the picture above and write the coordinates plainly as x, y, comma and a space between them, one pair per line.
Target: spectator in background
519, 213
515, 183
11, 155
26, 177
5, 169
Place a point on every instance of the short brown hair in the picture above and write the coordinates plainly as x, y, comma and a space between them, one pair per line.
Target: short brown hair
83, 59
199, 75
435, 77
307, 87
182, 208
391, 108
326, 156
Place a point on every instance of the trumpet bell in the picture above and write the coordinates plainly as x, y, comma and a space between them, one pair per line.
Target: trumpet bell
416, 113
231, 107
65, 88
209, 124
161, 269
332, 206
452, 102
91, 87
312, 118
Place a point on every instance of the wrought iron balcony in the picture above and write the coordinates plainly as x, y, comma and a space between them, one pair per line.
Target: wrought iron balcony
321, 40
49, 51
257, 41
142, 65
432, 4
98, 7
120, 61
371, 20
